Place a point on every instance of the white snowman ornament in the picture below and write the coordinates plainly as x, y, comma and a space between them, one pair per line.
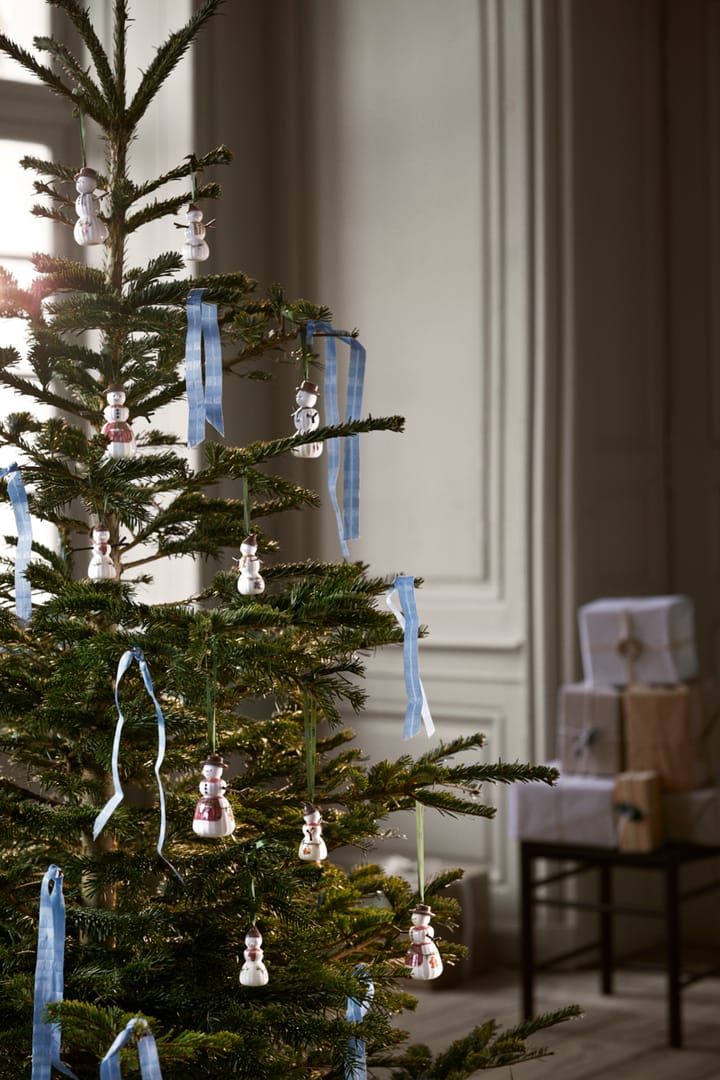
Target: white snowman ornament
253, 972
306, 419
213, 813
195, 246
422, 958
250, 582
89, 229
312, 846
102, 567
121, 442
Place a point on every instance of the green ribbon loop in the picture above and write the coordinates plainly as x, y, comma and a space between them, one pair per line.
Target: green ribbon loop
310, 714
420, 840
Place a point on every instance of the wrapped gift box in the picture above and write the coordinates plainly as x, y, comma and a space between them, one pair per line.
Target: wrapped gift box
637, 803
590, 738
576, 810
693, 817
647, 639
672, 730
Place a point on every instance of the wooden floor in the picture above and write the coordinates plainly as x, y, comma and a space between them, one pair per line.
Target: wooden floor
622, 1036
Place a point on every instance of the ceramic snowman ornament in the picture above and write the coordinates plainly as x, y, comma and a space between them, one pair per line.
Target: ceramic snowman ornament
195, 246
102, 567
213, 813
422, 958
119, 433
250, 582
253, 972
306, 419
312, 846
89, 229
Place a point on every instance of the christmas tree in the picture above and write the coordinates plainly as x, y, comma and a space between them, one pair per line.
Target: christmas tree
110, 706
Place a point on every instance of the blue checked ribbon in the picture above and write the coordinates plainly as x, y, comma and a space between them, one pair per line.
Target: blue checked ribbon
417, 706
203, 403
348, 521
118, 795
49, 977
357, 1010
146, 1048
18, 499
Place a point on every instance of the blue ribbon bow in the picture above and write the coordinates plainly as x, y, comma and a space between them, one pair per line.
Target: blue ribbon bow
146, 1048
118, 795
18, 499
357, 1010
417, 706
49, 977
203, 403
348, 521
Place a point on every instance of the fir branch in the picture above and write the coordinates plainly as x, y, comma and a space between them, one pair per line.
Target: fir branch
220, 156
81, 21
67, 274
87, 89
170, 262
120, 21
237, 459
166, 59
42, 394
49, 168
51, 193
160, 208
52, 214
45, 74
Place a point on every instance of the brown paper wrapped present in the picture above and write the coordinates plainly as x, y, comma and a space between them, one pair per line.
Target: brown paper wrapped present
671, 730
637, 804
590, 729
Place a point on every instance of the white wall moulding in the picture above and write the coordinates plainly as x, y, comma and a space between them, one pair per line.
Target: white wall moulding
405, 188
463, 616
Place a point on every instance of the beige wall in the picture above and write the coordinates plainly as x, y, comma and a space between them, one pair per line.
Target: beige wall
385, 167
495, 192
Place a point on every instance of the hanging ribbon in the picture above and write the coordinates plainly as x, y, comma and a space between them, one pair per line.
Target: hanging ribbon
348, 521
19, 502
310, 717
49, 977
357, 1010
146, 1048
417, 707
203, 403
118, 795
420, 847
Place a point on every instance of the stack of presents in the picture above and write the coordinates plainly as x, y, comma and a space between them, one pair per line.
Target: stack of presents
637, 740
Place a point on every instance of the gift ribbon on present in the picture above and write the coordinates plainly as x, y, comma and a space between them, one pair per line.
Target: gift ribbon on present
357, 1010
204, 403
118, 795
348, 521
19, 502
627, 814
146, 1048
417, 707
49, 977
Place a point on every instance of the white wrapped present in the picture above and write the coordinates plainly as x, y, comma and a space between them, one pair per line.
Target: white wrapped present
576, 810
693, 817
647, 639
590, 737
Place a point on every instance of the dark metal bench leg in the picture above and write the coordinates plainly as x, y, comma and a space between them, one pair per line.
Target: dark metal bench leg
672, 929
606, 930
527, 944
